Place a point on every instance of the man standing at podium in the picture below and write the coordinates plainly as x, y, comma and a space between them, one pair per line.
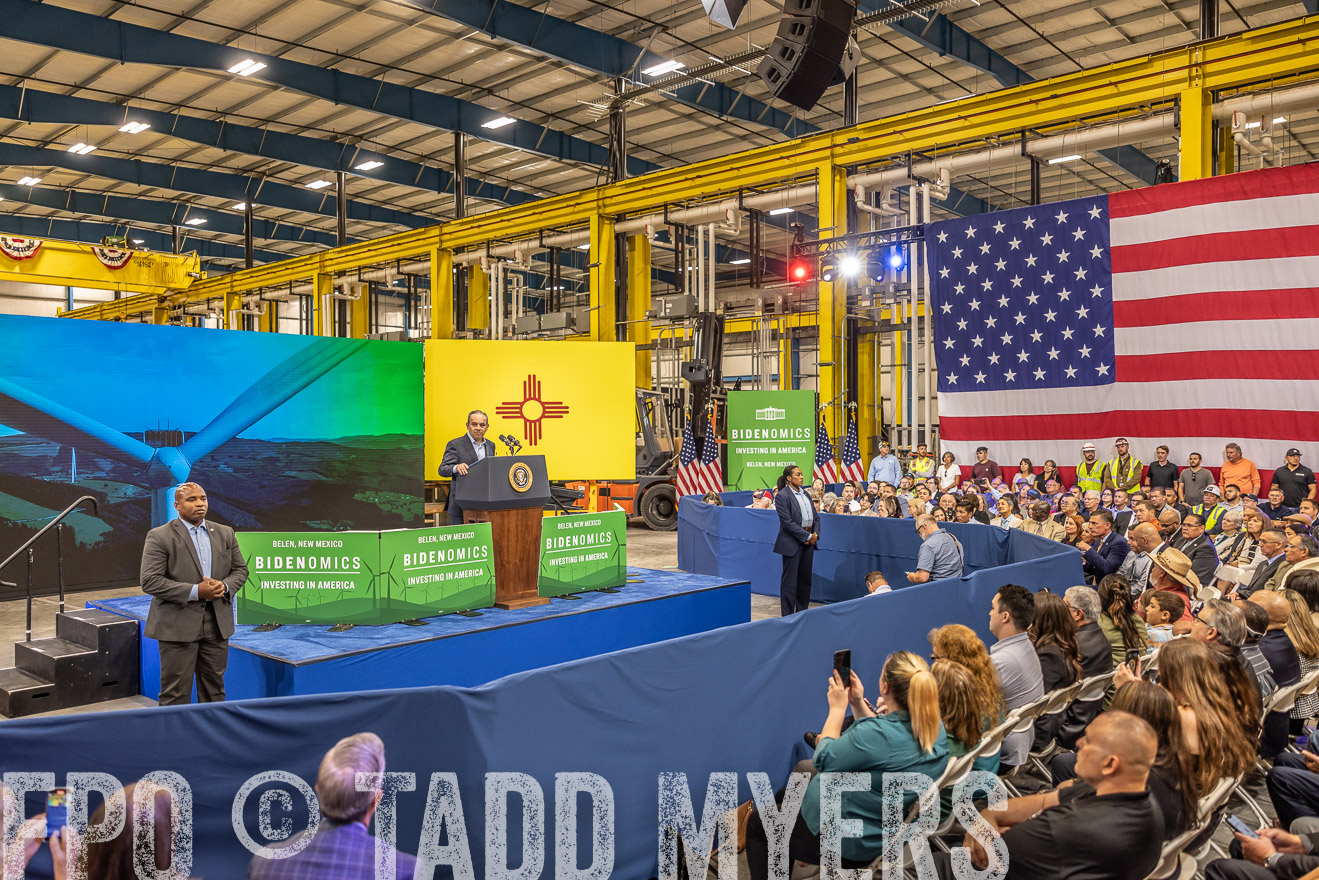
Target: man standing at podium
463, 452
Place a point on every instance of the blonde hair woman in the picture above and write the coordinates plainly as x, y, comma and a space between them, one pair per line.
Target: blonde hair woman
904, 734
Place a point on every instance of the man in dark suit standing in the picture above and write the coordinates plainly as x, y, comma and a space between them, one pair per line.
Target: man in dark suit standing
192, 569
799, 530
463, 452
1105, 551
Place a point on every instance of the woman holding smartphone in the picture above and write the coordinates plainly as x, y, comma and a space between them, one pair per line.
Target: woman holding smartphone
907, 737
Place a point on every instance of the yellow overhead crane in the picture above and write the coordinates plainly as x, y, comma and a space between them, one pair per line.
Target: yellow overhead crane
1187, 77
67, 264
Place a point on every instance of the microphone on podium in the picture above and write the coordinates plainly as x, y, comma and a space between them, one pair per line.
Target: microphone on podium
511, 442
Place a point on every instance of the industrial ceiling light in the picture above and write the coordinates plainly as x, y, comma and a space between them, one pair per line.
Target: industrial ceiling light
370, 165
1071, 158
318, 184
780, 211
241, 206
134, 128
583, 247
195, 221
139, 241
29, 181
81, 149
663, 68
741, 262
247, 67
500, 122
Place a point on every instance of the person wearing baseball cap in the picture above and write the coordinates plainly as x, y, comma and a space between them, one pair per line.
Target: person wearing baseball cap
1091, 475
1294, 479
1125, 471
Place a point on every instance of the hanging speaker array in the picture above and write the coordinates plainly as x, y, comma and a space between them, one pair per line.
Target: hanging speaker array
804, 58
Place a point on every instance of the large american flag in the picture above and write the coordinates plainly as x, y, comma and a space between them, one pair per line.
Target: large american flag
690, 479
1182, 314
825, 467
712, 472
853, 469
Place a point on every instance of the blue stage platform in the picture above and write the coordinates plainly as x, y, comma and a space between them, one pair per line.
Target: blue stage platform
463, 651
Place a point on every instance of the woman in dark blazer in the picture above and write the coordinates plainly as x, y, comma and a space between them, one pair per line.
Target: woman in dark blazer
799, 530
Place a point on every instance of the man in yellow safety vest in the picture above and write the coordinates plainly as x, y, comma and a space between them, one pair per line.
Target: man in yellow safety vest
1091, 475
1125, 471
921, 465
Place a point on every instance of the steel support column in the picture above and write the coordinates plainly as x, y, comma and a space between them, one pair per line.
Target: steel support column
441, 293
604, 313
1197, 141
638, 304
459, 175
833, 198
249, 249
321, 313
341, 207
359, 312
478, 298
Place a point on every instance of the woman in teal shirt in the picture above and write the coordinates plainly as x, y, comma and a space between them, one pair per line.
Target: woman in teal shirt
906, 735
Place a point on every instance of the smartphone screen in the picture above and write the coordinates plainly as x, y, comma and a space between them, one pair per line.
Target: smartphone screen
1236, 824
843, 665
1133, 658
57, 811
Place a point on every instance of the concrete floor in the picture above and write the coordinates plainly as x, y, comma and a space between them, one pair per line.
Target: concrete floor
646, 549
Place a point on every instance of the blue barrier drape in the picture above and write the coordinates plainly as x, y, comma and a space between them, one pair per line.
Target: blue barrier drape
735, 542
735, 699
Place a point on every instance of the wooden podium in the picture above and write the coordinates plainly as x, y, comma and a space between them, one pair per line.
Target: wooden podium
509, 492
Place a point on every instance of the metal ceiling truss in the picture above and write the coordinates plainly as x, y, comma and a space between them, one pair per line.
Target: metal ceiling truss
36, 106
201, 182
156, 212
85, 231
952, 41
1281, 52
55, 27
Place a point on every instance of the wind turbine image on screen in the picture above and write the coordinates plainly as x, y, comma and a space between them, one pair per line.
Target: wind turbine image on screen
166, 467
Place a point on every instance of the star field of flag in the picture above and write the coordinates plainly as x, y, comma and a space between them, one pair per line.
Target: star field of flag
852, 467
825, 469
1023, 299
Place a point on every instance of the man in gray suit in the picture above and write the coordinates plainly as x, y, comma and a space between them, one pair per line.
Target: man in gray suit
463, 452
192, 569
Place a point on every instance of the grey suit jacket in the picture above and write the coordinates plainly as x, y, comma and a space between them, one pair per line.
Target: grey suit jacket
459, 451
170, 567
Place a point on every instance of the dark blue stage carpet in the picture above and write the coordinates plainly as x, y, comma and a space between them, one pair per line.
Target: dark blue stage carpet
453, 649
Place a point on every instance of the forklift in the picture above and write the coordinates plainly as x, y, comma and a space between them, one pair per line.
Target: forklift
653, 495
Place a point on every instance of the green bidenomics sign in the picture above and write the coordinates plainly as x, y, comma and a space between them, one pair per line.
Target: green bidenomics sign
365, 577
767, 431
584, 551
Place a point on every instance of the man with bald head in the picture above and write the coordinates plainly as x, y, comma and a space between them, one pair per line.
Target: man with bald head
1106, 827
192, 568
1170, 521
1144, 540
1041, 523
1276, 647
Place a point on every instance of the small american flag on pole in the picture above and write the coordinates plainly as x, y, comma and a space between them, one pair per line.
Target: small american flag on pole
689, 466
852, 467
825, 467
711, 470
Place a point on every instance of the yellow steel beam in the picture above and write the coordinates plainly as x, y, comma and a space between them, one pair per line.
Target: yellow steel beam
638, 304
322, 304
68, 264
359, 312
478, 297
833, 195
604, 314
441, 293
1288, 49
269, 322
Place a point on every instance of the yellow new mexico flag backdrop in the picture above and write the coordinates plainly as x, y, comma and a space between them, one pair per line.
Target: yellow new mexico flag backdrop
572, 402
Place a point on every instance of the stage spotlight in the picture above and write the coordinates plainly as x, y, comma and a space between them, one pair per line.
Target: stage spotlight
850, 266
897, 259
827, 272
801, 271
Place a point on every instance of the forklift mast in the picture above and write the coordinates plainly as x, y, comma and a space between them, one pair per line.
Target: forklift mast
705, 373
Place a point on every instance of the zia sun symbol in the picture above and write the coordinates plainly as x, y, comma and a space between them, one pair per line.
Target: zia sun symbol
532, 410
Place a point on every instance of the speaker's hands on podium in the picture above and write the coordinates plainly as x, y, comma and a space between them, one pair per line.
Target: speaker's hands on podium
460, 468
